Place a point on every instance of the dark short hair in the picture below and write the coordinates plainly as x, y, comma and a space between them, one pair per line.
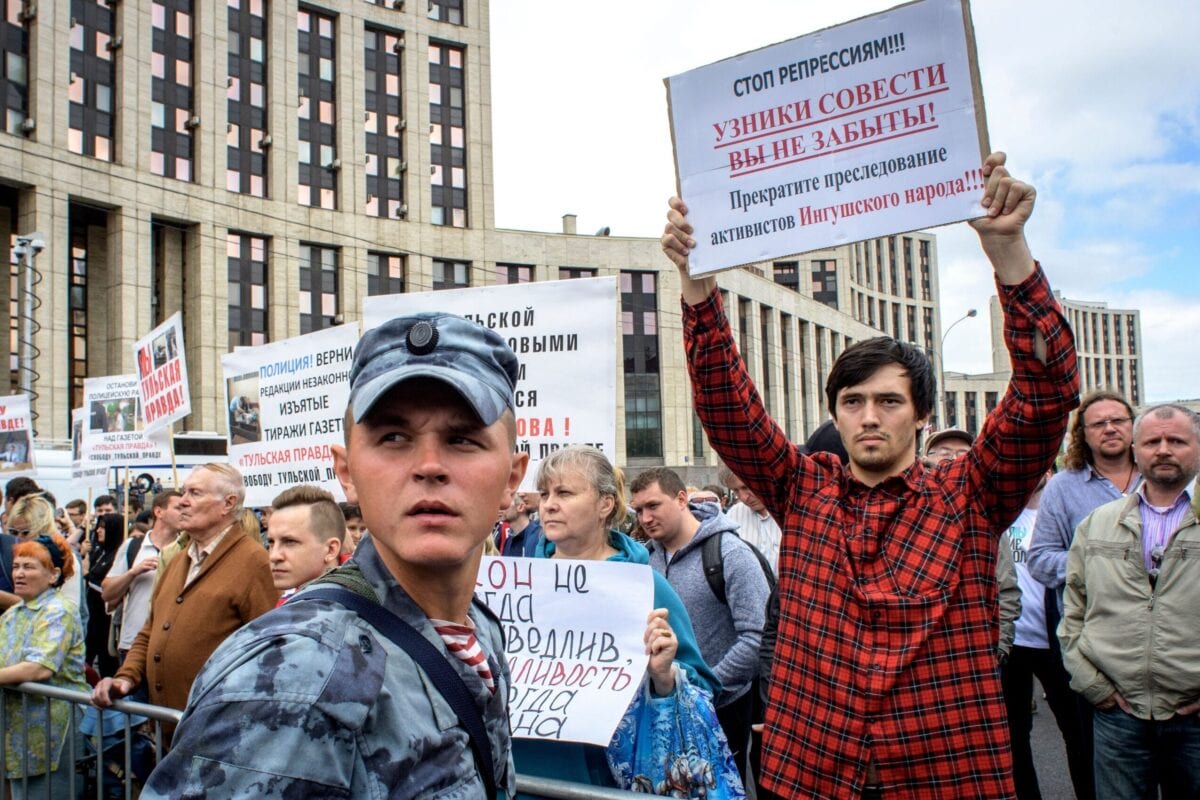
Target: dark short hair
861, 360
350, 511
102, 499
667, 479
78, 504
20, 487
163, 499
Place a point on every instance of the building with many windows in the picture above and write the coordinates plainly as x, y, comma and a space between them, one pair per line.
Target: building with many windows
263, 165
1107, 345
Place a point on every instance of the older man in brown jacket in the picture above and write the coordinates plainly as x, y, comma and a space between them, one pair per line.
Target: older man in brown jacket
223, 582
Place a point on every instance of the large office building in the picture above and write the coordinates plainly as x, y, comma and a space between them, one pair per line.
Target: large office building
1107, 344
261, 166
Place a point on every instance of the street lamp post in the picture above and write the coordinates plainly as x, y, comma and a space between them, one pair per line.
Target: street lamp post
941, 399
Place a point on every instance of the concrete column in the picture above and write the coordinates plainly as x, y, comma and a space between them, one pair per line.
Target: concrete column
283, 292
206, 327
170, 269
825, 344
210, 74
129, 249
353, 280
811, 386
132, 93
350, 109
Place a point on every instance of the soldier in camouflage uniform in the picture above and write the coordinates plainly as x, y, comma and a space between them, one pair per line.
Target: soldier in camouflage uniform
310, 700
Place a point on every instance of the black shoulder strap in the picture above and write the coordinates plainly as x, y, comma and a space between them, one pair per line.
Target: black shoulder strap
714, 565
6, 557
448, 682
131, 550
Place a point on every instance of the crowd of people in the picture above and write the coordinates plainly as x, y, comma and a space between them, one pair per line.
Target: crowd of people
861, 615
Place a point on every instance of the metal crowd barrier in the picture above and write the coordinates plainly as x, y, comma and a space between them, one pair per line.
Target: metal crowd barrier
41, 693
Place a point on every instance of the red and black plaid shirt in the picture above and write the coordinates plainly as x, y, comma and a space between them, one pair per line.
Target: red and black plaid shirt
888, 618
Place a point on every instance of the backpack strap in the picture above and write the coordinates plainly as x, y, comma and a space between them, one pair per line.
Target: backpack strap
6, 559
131, 550
714, 565
430, 660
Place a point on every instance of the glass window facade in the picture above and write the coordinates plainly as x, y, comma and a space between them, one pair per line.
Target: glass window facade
384, 124
319, 280
171, 63
514, 273
317, 111
92, 90
14, 67
246, 99
246, 255
639, 340
385, 273
447, 11
451, 274
447, 135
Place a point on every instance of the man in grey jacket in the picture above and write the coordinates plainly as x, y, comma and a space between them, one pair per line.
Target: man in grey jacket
312, 700
729, 633
1130, 632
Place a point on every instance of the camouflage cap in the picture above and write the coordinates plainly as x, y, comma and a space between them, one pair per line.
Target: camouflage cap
473, 360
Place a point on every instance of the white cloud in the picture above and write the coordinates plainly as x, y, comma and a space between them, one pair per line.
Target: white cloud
1094, 101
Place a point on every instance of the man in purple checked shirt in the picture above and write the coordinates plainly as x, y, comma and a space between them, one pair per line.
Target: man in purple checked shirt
1130, 631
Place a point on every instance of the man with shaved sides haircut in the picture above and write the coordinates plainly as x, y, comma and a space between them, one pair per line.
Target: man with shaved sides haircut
327, 696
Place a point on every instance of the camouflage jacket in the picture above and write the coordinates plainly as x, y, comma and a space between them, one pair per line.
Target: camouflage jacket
310, 701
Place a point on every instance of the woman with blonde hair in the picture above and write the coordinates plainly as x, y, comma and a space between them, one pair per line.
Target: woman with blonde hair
583, 499
42, 640
33, 516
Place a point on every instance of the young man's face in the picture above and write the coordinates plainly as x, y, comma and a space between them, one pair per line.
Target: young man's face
105, 508
169, 515
296, 553
660, 515
77, 514
355, 528
429, 478
878, 424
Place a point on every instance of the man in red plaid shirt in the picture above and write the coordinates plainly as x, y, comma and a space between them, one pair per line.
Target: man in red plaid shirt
885, 679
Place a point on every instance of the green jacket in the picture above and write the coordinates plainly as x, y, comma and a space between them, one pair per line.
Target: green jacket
1118, 632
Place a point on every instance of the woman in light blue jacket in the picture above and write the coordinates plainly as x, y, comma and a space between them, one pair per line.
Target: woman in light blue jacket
582, 498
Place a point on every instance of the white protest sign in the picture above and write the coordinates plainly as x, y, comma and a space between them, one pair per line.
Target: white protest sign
162, 375
573, 635
111, 431
16, 437
565, 335
865, 129
84, 475
286, 401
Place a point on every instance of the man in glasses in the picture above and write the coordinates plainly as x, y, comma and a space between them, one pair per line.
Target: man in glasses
1098, 468
1130, 633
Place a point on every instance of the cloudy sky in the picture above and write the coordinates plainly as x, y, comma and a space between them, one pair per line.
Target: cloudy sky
1096, 103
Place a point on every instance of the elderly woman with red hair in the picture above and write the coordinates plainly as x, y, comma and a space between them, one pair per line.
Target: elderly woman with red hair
41, 639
